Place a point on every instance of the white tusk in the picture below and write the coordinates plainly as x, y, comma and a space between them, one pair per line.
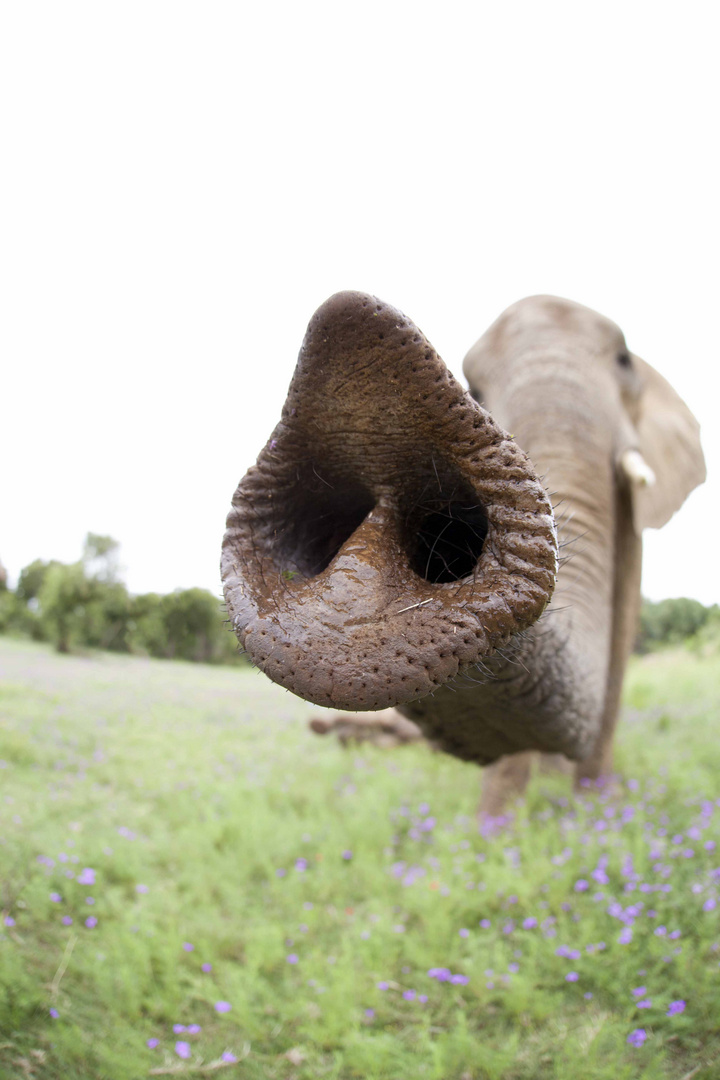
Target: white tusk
636, 468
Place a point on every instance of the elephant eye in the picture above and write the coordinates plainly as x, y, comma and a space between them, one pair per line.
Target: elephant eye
624, 360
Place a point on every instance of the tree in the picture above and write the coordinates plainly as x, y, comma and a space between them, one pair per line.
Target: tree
101, 557
83, 603
193, 624
32, 577
64, 597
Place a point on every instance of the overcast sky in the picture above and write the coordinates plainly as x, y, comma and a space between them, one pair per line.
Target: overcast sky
183, 184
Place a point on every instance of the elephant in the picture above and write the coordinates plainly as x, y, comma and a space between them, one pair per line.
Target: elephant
470, 559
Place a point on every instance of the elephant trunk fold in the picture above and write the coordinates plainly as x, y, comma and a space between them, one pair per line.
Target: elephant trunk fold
391, 535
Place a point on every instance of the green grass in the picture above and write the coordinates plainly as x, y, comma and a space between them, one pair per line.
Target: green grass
191, 793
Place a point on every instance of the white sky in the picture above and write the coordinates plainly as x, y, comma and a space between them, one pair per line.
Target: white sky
184, 183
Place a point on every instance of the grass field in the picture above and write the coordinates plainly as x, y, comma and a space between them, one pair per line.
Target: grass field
191, 883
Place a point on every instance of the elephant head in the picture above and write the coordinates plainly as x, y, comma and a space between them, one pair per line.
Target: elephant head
394, 546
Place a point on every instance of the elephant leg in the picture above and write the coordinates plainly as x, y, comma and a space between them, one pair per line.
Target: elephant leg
598, 766
503, 782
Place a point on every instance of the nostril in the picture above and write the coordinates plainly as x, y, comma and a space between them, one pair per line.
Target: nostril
449, 541
318, 516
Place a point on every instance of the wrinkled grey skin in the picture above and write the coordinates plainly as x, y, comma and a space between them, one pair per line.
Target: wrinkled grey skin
616, 450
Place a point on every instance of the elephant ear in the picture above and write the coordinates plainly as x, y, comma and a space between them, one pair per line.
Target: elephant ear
669, 441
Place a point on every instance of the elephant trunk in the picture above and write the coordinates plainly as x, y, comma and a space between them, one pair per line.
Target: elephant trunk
391, 535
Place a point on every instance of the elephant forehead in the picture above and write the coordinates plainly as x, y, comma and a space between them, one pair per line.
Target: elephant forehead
563, 316
546, 334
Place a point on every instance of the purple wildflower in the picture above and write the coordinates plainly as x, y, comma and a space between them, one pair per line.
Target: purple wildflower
56, 897
369, 1013
152, 1043
90, 922
222, 1006
193, 1029
86, 877
646, 1003
292, 958
182, 1049
347, 855
639, 991
637, 1037
581, 885
206, 967
54, 1013
625, 936
382, 985
675, 1007
66, 920
409, 995
466, 933
229, 1057
439, 973
572, 976
142, 888
529, 923
188, 947
178, 1029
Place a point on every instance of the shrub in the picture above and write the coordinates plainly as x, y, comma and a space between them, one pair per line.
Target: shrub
669, 622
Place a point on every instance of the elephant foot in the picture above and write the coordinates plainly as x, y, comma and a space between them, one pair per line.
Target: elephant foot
385, 729
606, 784
596, 772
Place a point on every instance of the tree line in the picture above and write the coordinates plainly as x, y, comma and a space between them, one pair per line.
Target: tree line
84, 605
670, 622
